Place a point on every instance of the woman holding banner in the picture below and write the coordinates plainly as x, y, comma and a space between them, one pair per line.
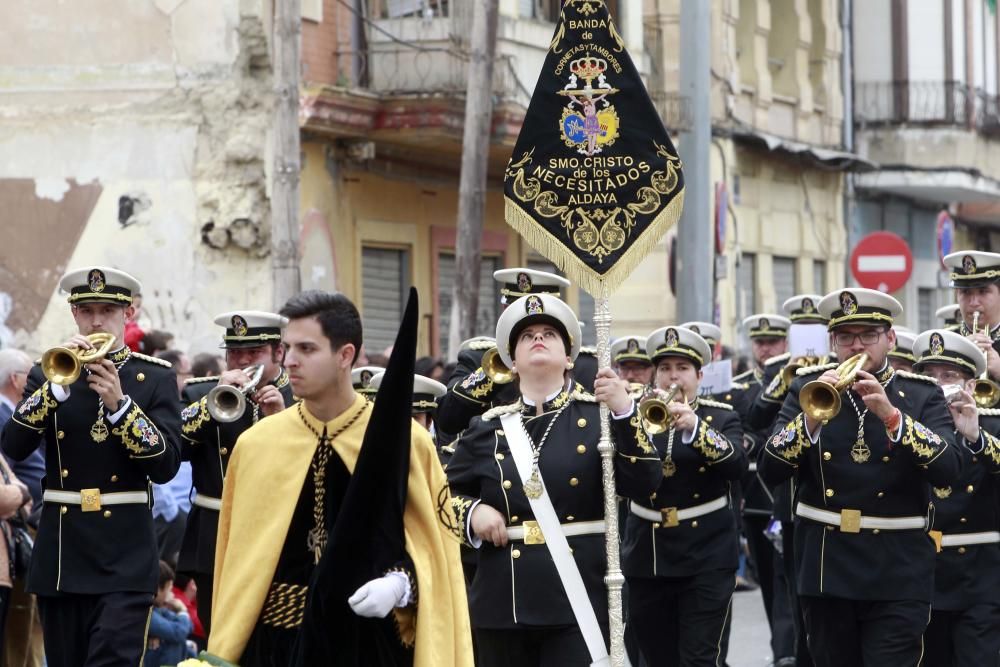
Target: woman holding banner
679, 552
526, 479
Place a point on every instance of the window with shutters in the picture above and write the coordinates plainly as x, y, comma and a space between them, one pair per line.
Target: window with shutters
489, 297
819, 277
385, 279
543, 10
925, 308
748, 284
783, 272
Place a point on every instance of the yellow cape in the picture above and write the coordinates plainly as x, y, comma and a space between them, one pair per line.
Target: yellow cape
262, 486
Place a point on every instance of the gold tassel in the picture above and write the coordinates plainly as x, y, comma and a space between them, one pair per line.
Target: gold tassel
575, 268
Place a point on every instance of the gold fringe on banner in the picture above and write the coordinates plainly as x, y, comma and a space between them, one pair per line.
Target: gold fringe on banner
575, 268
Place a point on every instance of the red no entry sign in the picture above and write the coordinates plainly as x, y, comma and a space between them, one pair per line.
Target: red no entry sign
882, 261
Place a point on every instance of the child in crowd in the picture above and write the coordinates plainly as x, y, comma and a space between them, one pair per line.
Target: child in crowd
169, 625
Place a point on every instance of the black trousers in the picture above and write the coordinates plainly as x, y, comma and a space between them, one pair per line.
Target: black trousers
967, 638
802, 657
205, 583
680, 620
5, 595
856, 633
532, 647
773, 586
106, 630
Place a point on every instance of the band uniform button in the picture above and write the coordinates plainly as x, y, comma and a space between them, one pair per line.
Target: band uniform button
694, 524
708, 418
516, 553
63, 509
696, 496
827, 456
507, 484
581, 449
581, 422
61, 434
875, 531
573, 481
65, 473
107, 514
829, 493
500, 432
500, 456
140, 376
701, 469
570, 517
963, 520
961, 550
114, 478
881, 494
970, 488
513, 519
224, 451
885, 459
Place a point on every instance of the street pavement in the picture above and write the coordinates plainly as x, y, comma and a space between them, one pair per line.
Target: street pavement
750, 639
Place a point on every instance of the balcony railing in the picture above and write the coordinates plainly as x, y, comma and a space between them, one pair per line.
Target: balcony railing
926, 103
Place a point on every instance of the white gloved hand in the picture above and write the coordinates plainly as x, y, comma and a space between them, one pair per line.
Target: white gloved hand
379, 596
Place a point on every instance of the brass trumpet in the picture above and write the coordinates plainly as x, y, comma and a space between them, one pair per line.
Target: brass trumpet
821, 400
792, 367
62, 365
495, 368
653, 410
227, 403
985, 391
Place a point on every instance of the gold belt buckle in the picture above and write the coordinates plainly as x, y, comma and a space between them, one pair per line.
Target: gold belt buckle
90, 500
532, 533
669, 515
850, 521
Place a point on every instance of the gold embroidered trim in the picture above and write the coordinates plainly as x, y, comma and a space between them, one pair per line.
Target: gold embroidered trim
194, 416
924, 442
789, 442
712, 444
36, 407
284, 606
137, 432
640, 433
991, 447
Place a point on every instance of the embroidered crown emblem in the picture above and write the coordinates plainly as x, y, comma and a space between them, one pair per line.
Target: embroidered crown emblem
969, 264
808, 306
239, 325
848, 303
633, 346
671, 339
937, 345
366, 378
533, 306
764, 324
523, 282
96, 281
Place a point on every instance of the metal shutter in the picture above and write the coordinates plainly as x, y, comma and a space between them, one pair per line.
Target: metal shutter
748, 284
783, 271
925, 308
489, 298
819, 277
384, 281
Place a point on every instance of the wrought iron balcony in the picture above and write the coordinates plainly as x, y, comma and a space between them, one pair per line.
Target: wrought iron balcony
928, 103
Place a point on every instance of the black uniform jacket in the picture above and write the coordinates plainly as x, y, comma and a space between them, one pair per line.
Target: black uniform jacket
759, 418
471, 392
757, 498
970, 575
518, 585
112, 549
208, 445
891, 481
703, 470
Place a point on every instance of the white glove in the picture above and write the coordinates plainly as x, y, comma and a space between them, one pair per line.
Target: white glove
379, 596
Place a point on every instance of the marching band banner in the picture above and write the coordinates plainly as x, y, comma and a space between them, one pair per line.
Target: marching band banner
594, 181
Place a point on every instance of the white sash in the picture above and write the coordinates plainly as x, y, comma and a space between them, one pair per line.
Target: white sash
555, 540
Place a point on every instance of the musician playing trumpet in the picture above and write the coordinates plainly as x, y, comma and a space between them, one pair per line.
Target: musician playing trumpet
252, 342
679, 552
864, 560
965, 613
975, 275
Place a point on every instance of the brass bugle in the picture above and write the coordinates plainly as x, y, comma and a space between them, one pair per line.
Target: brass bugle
62, 365
227, 403
985, 391
821, 400
793, 366
495, 368
653, 409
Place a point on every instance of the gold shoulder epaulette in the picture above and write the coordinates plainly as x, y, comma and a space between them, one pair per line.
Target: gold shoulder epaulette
481, 345
780, 359
152, 360
714, 404
586, 349
581, 395
918, 376
952, 327
744, 374
741, 385
447, 449
987, 412
502, 410
814, 369
207, 378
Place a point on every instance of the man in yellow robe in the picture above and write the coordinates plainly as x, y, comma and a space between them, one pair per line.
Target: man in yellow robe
287, 482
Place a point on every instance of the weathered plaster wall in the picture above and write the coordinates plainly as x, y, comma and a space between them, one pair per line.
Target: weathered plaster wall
158, 110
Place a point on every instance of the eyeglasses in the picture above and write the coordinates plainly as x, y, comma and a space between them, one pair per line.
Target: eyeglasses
844, 339
949, 377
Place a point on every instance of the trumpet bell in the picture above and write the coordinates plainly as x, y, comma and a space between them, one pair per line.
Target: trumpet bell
62, 365
226, 404
495, 368
654, 412
819, 400
986, 393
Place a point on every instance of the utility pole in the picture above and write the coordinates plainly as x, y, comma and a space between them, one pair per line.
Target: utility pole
695, 257
285, 278
482, 43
